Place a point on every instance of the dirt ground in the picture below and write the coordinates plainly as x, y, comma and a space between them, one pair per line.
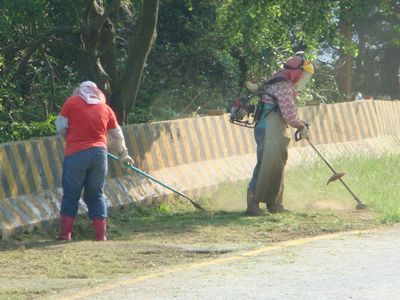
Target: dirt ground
144, 241
346, 265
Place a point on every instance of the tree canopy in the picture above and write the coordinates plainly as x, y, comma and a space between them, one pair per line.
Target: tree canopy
167, 59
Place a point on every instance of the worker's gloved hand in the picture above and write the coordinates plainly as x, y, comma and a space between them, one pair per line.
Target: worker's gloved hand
304, 133
305, 123
125, 158
129, 160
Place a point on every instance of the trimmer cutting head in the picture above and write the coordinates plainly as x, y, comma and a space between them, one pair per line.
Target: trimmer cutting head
361, 206
335, 177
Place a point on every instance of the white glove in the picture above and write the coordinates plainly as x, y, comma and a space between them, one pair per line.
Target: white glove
304, 133
129, 160
62, 126
125, 158
117, 143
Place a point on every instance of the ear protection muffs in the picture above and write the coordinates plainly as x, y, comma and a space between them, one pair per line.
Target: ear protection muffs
304, 64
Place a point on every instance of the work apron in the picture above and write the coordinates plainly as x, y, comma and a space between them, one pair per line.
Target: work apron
272, 160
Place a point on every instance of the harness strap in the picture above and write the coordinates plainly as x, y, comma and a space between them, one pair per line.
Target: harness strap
275, 108
276, 80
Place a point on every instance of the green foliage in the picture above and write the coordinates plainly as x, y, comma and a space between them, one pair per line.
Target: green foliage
32, 88
22, 130
183, 71
140, 115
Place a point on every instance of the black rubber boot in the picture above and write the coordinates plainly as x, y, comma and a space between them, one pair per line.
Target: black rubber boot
277, 209
253, 208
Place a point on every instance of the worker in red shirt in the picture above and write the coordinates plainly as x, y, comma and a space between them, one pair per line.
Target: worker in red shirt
84, 121
272, 138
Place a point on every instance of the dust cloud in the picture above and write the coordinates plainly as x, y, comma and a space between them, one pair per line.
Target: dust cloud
232, 198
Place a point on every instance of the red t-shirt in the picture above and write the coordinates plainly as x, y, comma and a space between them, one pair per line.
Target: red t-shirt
87, 124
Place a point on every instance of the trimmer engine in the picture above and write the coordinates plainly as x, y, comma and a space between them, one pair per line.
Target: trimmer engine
244, 111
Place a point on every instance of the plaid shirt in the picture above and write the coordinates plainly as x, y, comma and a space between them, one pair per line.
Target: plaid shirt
286, 94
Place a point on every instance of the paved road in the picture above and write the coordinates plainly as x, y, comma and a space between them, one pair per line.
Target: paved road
341, 266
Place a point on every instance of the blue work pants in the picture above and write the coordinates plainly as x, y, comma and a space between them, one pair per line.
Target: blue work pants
259, 136
85, 170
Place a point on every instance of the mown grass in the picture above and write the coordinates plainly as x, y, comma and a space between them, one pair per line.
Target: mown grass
142, 241
375, 181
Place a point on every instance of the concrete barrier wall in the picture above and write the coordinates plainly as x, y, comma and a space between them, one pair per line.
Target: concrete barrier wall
189, 154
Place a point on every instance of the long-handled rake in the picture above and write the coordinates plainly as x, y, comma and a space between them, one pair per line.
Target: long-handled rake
159, 182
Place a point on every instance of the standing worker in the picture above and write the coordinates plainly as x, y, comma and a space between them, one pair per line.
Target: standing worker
271, 134
84, 121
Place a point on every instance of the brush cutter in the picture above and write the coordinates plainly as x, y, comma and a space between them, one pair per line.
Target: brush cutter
336, 175
159, 182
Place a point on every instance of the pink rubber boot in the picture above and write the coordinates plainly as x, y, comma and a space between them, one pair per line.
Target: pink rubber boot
99, 226
66, 223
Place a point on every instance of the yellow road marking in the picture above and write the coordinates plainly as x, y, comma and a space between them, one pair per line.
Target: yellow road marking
261, 250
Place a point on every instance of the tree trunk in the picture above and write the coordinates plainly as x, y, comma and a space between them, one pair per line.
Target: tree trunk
238, 54
91, 44
359, 72
108, 56
389, 80
124, 96
345, 59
